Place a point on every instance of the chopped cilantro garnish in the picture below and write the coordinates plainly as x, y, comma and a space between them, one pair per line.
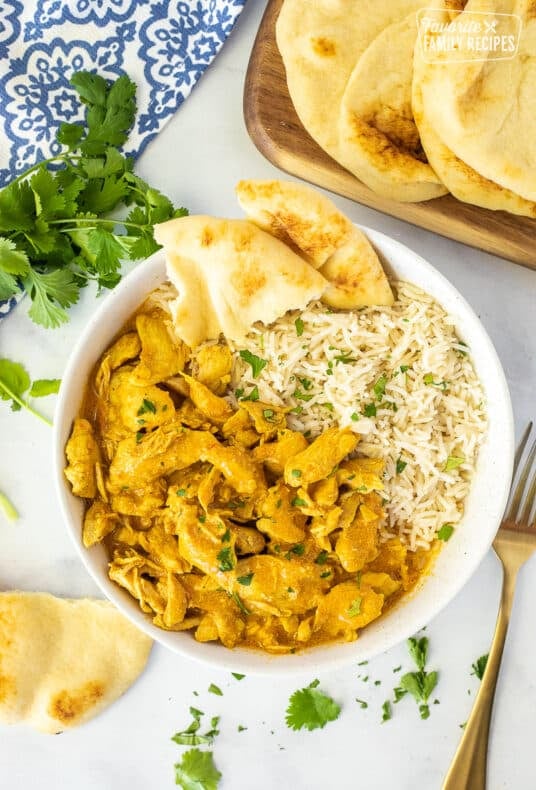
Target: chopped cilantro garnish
355, 607
344, 358
419, 684
296, 473
298, 502
147, 406
241, 728
400, 466
322, 557
379, 387
191, 737
257, 364
325, 574
253, 395
139, 436
354, 416
296, 410
245, 581
369, 410
238, 601
215, 690
226, 559
404, 368
428, 379
479, 666
197, 771
311, 709
453, 462
386, 711
298, 549
445, 532
269, 415
238, 393
202, 518
362, 703
306, 383
226, 537
298, 323
238, 676
299, 395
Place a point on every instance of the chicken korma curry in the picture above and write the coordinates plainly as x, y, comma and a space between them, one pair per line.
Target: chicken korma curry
219, 519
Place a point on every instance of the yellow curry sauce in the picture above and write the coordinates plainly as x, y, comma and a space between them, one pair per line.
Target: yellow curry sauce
222, 520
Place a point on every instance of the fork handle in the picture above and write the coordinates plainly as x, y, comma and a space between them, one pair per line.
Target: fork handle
468, 768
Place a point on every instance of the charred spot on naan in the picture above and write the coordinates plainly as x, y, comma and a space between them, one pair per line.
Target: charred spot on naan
69, 706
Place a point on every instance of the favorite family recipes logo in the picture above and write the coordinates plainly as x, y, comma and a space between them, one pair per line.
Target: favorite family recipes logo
465, 36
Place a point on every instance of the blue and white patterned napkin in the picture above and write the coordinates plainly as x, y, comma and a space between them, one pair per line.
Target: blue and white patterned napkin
164, 46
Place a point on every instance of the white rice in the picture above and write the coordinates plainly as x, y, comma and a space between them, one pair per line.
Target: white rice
417, 423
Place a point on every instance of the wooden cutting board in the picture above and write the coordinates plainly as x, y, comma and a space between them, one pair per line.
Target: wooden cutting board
275, 129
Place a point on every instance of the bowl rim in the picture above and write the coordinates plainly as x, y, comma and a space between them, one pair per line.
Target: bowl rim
323, 657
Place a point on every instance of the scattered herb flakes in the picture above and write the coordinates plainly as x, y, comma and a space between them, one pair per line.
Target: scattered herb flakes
269, 415
298, 549
311, 709
362, 703
181, 492
445, 532
344, 358
306, 383
238, 676
202, 518
404, 368
298, 502
238, 393
299, 395
369, 410
8, 508
215, 690
325, 574
296, 473
399, 692
191, 737
400, 466
197, 771
419, 684
365, 679
139, 436
241, 728
253, 394
387, 712
355, 607
226, 537
418, 650
322, 558
479, 666
14, 383
354, 416
245, 581
298, 323
256, 363
377, 682
226, 559
379, 387
453, 462
296, 410
362, 663
147, 407
398, 668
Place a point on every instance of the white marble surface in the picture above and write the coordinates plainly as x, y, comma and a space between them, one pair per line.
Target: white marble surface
197, 160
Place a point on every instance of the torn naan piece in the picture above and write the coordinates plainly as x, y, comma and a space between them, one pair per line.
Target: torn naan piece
325, 237
230, 274
63, 661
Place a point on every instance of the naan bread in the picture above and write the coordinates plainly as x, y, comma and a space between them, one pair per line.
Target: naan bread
485, 112
63, 661
298, 215
378, 139
462, 181
320, 43
313, 225
230, 274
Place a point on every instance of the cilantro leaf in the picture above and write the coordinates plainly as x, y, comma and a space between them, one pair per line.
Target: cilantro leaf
355, 607
387, 712
453, 462
69, 134
42, 387
14, 383
50, 293
13, 260
257, 364
311, 709
298, 323
445, 532
215, 690
197, 771
479, 666
418, 650
191, 737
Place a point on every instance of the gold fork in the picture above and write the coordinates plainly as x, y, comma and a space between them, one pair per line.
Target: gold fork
514, 543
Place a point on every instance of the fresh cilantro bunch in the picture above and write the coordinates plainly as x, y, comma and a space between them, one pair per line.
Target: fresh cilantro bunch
53, 235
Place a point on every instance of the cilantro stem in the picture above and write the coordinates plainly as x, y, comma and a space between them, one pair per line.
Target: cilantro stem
58, 158
93, 220
8, 508
24, 404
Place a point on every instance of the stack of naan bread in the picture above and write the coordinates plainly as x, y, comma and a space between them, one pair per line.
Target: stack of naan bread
411, 129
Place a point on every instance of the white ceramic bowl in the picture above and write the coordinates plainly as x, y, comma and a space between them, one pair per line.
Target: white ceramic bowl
456, 562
